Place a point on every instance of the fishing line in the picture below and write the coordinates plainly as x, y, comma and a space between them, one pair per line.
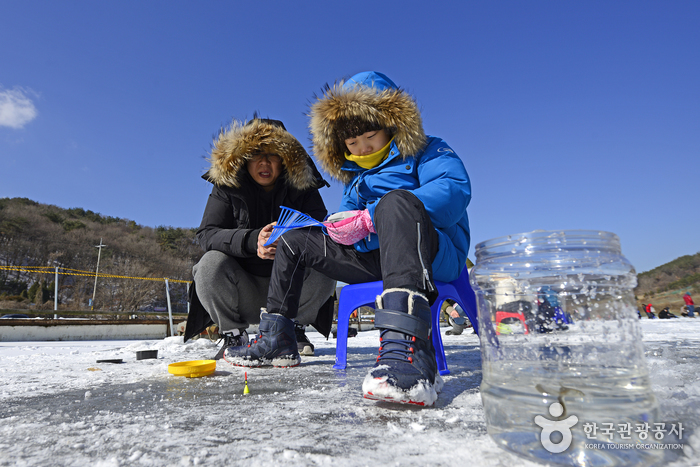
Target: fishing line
306, 241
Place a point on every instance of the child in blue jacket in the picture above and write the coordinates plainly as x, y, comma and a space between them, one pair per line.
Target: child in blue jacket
403, 220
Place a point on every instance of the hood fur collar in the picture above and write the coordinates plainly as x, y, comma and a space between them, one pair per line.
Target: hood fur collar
391, 108
241, 140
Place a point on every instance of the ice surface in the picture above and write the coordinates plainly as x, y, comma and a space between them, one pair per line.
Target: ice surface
58, 407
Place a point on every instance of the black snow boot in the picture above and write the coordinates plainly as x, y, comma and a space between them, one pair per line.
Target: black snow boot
406, 369
235, 338
304, 345
275, 345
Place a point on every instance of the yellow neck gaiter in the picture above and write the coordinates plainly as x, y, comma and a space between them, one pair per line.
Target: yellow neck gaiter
371, 160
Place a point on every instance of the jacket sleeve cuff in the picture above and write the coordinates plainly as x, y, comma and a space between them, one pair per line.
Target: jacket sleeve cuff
251, 241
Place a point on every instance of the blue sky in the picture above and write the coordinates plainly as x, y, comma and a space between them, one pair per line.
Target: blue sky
567, 114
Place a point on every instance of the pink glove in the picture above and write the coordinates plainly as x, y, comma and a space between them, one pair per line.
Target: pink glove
349, 227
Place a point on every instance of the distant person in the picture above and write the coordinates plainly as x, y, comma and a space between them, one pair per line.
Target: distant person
689, 304
549, 316
666, 314
256, 167
457, 318
650, 311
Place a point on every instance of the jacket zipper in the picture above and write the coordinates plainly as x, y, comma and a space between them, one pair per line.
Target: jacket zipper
427, 285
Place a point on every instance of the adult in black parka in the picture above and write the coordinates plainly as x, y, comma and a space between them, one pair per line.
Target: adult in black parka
256, 167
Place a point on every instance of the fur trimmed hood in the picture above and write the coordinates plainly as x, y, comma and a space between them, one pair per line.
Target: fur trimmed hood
234, 145
368, 97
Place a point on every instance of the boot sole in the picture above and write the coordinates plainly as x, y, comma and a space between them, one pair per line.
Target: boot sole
399, 396
279, 362
371, 396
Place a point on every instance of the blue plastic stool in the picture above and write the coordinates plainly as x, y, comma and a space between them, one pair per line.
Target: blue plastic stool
354, 296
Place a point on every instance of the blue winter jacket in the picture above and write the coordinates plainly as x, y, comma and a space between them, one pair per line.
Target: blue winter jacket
438, 178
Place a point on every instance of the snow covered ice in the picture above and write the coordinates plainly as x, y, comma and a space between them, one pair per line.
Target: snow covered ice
59, 407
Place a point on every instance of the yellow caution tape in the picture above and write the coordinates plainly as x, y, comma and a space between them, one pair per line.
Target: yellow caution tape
52, 270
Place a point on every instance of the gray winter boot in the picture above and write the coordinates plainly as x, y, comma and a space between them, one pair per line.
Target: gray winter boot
406, 369
275, 345
457, 326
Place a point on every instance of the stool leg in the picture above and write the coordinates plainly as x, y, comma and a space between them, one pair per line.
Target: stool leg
468, 299
341, 344
437, 339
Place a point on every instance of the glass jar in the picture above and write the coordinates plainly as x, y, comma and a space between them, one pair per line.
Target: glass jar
562, 354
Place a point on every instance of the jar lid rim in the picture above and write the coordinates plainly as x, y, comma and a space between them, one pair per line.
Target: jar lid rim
552, 237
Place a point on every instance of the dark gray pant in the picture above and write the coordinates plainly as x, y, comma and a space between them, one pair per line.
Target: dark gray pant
408, 244
233, 297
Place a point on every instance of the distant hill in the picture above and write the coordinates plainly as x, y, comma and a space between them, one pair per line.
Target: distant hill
665, 285
41, 235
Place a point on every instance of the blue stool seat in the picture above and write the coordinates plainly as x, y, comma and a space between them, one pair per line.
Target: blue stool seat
354, 296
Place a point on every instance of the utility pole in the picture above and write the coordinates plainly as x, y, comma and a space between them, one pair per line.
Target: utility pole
99, 253
55, 295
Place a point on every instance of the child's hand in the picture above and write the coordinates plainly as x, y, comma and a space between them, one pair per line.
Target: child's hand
349, 227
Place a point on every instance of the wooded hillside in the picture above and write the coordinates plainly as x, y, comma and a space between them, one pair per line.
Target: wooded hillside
41, 235
665, 285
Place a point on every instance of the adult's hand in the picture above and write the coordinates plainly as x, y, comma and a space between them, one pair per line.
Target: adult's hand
266, 252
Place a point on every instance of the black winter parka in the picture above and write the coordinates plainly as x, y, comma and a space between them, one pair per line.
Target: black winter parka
238, 208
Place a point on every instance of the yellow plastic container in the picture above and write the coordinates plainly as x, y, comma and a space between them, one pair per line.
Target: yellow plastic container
193, 368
